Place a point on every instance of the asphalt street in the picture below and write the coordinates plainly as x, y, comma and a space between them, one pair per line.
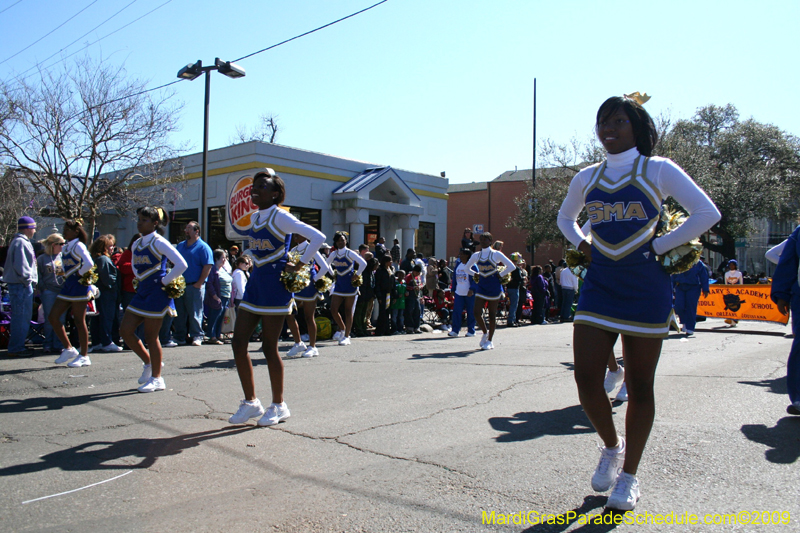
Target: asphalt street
405, 433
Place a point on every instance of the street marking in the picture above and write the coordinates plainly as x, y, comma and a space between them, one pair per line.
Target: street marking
76, 490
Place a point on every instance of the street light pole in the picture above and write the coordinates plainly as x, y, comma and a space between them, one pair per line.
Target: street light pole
190, 72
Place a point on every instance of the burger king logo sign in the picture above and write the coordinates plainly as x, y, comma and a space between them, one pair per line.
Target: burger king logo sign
240, 207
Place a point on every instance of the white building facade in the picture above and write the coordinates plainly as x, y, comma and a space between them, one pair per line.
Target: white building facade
328, 192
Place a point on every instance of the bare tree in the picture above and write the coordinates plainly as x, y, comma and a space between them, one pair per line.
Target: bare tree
89, 139
265, 130
538, 207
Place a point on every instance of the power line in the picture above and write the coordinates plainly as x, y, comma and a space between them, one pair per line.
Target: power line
9, 7
48, 33
312, 31
108, 35
145, 91
78, 39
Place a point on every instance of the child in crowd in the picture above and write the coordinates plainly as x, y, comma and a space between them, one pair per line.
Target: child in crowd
414, 288
464, 295
398, 303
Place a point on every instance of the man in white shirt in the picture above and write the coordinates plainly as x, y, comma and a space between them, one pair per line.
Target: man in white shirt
569, 286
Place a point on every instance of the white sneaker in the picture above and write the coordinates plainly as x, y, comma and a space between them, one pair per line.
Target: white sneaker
81, 360
169, 344
197, 342
339, 335
276, 412
111, 347
487, 346
246, 411
147, 373
613, 379
484, 339
345, 341
152, 385
689, 333
470, 334
304, 337
311, 352
625, 493
297, 349
609, 467
452, 334
622, 395
66, 355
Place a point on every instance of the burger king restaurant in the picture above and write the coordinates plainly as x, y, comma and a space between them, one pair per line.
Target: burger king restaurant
330, 193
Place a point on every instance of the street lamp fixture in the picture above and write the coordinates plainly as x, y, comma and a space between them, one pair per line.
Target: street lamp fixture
191, 72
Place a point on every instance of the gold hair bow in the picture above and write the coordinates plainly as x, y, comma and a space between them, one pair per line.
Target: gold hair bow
270, 172
79, 221
640, 99
162, 214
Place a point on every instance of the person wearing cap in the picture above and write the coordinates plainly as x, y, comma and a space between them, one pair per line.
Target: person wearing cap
21, 275
733, 277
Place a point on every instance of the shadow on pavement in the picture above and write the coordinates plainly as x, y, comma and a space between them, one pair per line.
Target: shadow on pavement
728, 329
528, 426
446, 355
567, 519
50, 404
28, 370
775, 386
105, 455
782, 439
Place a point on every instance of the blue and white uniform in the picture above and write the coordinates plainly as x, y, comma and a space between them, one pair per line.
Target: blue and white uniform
270, 236
626, 289
76, 262
486, 263
149, 262
310, 294
343, 262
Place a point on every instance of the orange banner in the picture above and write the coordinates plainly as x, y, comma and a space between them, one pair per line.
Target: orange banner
740, 302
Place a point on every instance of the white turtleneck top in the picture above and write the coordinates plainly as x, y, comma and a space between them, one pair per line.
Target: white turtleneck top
669, 180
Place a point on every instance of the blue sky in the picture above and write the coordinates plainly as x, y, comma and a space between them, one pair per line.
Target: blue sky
433, 85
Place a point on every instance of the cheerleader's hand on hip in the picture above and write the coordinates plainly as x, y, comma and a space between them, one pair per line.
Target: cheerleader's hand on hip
783, 306
292, 267
586, 248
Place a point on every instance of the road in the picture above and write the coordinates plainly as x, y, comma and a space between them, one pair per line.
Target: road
407, 433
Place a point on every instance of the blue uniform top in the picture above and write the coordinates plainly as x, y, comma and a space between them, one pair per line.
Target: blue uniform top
697, 276
784, 281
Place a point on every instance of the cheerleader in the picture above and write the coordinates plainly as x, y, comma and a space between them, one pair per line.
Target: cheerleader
307, 298
490, 289
74, 295
343, 261
265, 298
626, 291
151, 303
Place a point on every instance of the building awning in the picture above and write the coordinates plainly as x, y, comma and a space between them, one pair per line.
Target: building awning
381, 184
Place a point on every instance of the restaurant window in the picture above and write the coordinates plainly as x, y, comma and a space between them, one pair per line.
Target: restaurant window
426, 242
372, 231
216, 229
177, 223
312, 217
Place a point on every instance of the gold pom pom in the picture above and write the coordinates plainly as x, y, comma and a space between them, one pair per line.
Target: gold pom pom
298, 280
175, 288
90, 278
576, 258
683, 257
356, 280
323, 284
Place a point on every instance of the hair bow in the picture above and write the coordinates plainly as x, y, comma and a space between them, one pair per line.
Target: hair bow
637, 97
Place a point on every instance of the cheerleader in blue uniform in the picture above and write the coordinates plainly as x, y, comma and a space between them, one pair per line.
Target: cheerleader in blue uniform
626, 291
344, 262
490, 289
151, 303
265, 297
74, 295
307, 298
